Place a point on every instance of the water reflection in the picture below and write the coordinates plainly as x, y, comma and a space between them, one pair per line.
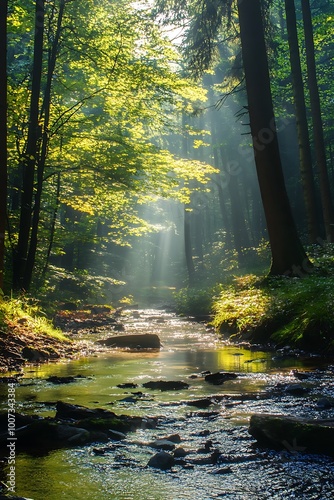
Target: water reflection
189, 349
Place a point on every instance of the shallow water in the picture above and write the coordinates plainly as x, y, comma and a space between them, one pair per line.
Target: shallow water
120, 473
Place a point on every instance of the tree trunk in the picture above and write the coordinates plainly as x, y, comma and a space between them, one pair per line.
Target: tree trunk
188, 248
30, 155
53, 228
305, 156
3, 135
44, 149
288, 255
319, 143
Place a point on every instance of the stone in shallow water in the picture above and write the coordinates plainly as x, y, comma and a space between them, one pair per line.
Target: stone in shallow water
220, 377
133, 341
293, 433
161, 460
166, 385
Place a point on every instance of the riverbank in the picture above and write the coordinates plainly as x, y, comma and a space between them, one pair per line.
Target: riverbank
26, 336
278, 311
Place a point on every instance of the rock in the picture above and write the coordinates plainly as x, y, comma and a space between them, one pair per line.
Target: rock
134, 341
301, 375
116, 435
220, 377
98, 420
293, 433
45, 434
34, 355
162, 444
128, 385
63, 380
67, 411
296, 389
207, 447
175, 438
324, 404
200, 403
180, 452
164, 385
161, 460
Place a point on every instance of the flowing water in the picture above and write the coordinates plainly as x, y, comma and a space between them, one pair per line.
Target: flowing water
118, 471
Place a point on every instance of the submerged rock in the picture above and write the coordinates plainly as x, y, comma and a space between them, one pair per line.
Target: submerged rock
293, 433
220, 377
166, 385
133, 341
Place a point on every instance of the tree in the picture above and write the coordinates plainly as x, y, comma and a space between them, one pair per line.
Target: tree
97, 117
3, 134
30, 154
320, 149
288, 255
305, 155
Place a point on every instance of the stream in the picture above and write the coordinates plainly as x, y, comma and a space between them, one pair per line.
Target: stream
266, 383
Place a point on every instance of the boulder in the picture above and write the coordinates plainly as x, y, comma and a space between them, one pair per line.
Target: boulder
166, 385
293, 433
220, 377
133, 341
161, 460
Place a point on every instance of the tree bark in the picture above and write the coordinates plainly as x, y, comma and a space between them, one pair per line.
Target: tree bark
319, 143
305, 155
31, 153
288, 255
45, 113
3, 135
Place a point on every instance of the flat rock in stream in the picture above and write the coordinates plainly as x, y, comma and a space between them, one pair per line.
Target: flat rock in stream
133, 341
220, 377
293, 433
166, 385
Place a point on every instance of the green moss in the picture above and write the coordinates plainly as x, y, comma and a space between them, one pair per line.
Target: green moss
103, 424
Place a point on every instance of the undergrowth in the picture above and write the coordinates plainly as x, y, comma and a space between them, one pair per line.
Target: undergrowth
280, 310
26, 313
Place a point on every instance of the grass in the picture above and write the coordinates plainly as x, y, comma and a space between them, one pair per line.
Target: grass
24, 313
280, 311
298, 312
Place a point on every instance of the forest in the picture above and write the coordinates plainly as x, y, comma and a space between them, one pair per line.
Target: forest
166, 228
168, 146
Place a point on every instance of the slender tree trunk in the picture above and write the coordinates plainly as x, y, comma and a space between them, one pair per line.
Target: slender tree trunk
3, 135
44, 149
31, 153
288, 255
53, 228
305, 155
188, 248
319, 143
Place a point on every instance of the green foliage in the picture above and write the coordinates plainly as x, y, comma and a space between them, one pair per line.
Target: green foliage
195, 301
24, 313
282, 310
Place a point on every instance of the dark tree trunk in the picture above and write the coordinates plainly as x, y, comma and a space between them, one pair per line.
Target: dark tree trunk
45, 112
288, 255
319, 143
3, 135
31, 153
305, 156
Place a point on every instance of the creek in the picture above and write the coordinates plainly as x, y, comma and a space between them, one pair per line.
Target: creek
118, 470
